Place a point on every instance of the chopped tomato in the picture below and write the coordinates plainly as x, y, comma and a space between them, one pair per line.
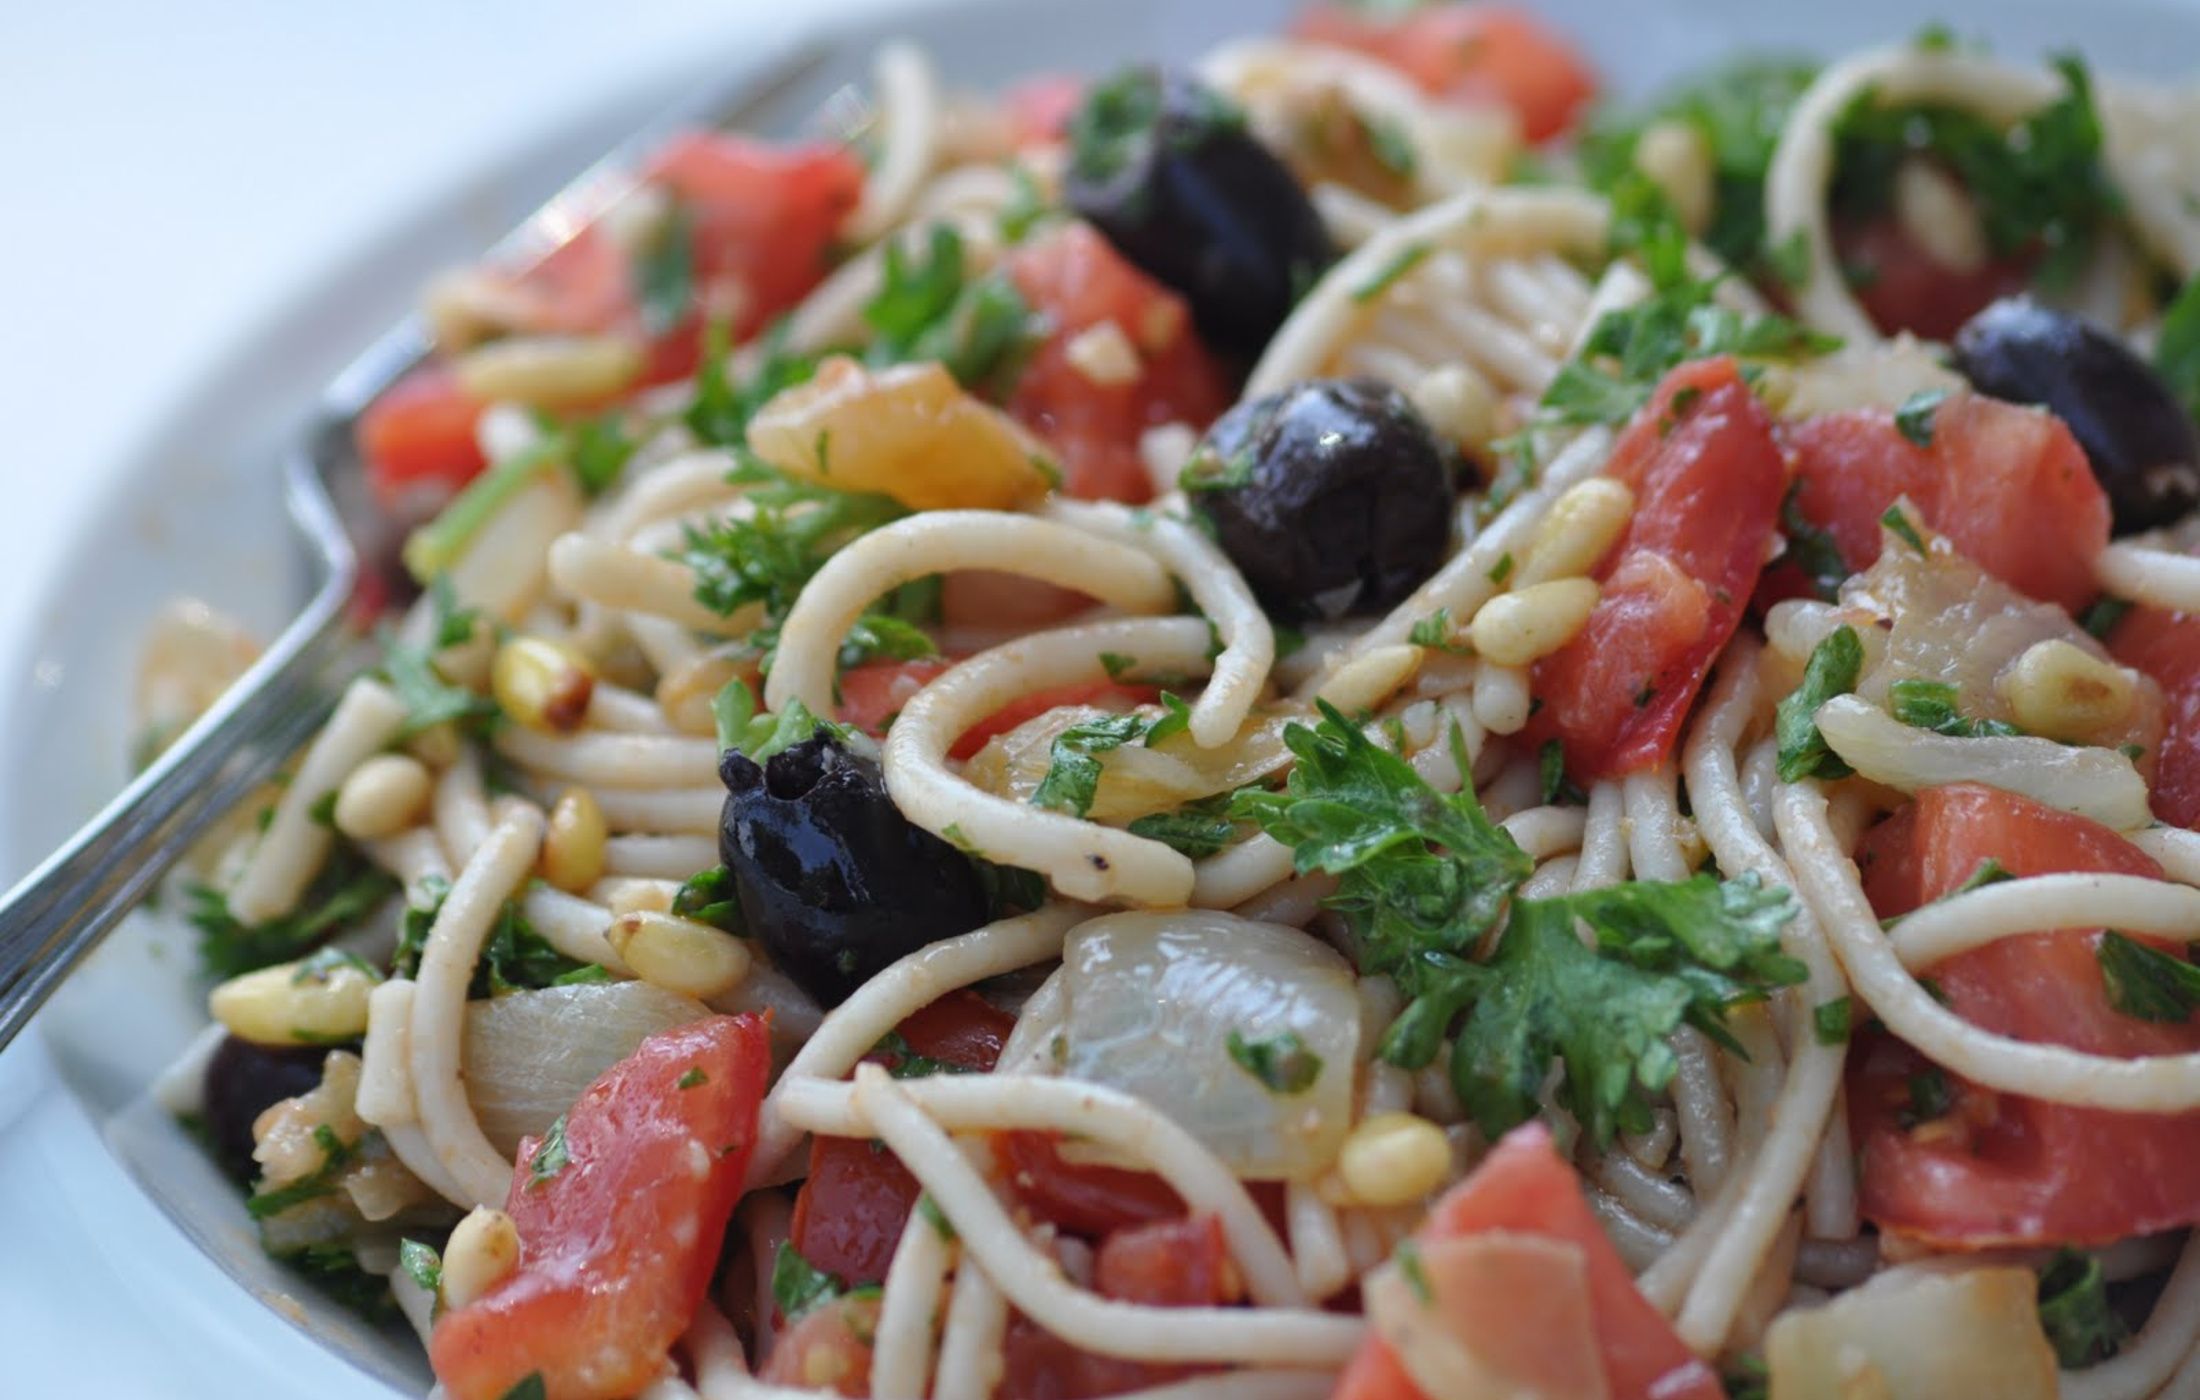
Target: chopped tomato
1904, 288
850, 1213
1707, 477
764, 215
2008, 486
873, 693
584, 285
828, 1347
1182, 1263
2166, 646
1039, 108
419, 434
1474, 55
1999, 1168
1525, 1187
1084, 1199
617, 1245
1078, 281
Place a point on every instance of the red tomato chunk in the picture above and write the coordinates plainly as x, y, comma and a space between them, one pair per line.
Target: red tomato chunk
1474, 55
1999, 1168
617, 1245
1707, 478
2166, 646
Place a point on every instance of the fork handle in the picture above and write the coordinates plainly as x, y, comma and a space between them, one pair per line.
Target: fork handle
59, 912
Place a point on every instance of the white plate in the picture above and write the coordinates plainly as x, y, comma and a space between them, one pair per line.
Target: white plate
197, 512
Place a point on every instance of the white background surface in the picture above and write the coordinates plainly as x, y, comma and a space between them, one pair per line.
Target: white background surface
174, 175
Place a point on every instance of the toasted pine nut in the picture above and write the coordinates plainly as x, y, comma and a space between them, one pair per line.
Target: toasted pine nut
573, 845
679, 954
1514, 629
1580, 529
548, 371
382, 796
1939, 216
1459, 404
2061, 691
542, 684
1677, 158
313, 1001
482, 1251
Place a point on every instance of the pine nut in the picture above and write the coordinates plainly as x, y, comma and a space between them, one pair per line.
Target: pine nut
1939, 216
1394, 1159
382, 796
2061, 691
573, 845
548, 371
1578, 531
437, 746
1677, 159
1514, 629
1459, 404
314, 1001
481, 1253
542, 684
679, 954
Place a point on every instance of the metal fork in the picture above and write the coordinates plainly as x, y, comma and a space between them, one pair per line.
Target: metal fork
57, 914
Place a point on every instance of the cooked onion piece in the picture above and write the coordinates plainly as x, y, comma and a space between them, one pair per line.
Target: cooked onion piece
528, 1055
1918, 1334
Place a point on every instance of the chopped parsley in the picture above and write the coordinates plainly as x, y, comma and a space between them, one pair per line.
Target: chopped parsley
1811, 548
1897, 521
1556, 787
760, 735
428, 698
1437, 633
1923, 704
1283, 1063
798, 1286
709, 898
2177, 347
551, 1155
907, 1063
347, 889
1391, 272
981, 330
336, 1154
692, 1079
884, 637
719, 413
421, 1264
1408, 1255
764, 558
1830, 1020
2101, 616
1833, 668
2146, 983
2038, 183
664, 272
1072, 778
1914, 420
1423, 877
1930, 1098
2074, 1310
1196, 829
530, 1387
1117, 665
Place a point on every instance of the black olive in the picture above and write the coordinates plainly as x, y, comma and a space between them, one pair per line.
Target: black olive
1168, 171
2137, 436
242, 1080
1331, 497
834, 880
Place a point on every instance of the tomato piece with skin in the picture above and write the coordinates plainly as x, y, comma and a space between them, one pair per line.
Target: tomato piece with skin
1708, 477
850, 1213
1473, 55
1525, 1187
2001, 1168
874, 692
1073, 277
2166, 646
763, 215
2008, 486
1039, 108
1904, 288
419, 435
618, 1245
1083, 1198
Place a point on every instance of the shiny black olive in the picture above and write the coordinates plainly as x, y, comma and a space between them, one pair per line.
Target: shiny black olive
1331, 497
242, 1079
2139, 439
1168, 171
831, 876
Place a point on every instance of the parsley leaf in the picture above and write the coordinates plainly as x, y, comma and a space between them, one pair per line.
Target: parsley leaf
1073, 770
881, 636
1914, 420
530, 1387
2146, 983
1830, 1020
1390, 273
1811, 548
1418, 870
1923, 704
709, 898
719, 413
551, 1155
1198, 829
1438, 634
1834, 665
981, 330
336, 1154
421, 1264
2177, 347
348, 889
2074, 1310
765, 558
1550, 762
743, 729
1175, 718
907, 1063
798, 1286
1282, 1063
2101, 616
664, 272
